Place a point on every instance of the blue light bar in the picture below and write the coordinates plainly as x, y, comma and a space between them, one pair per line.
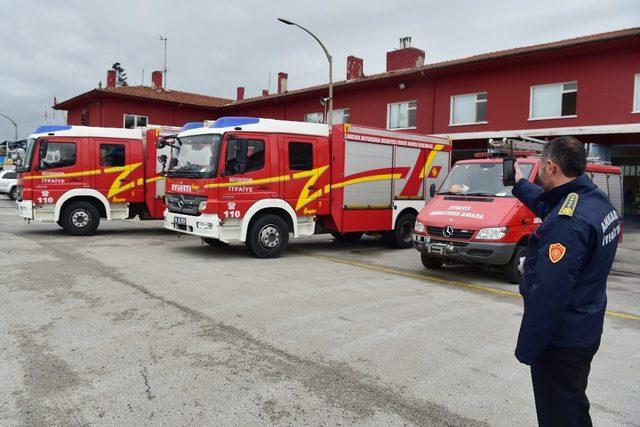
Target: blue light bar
51, 128
191, 125
226, 122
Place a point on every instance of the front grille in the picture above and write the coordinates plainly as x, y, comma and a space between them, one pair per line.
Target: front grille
457, 233
184, 203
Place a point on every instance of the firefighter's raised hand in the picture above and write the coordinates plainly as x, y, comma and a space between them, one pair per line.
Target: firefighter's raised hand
519, 174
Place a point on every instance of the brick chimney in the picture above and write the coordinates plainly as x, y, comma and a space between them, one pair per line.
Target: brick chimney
156, 80
282, 82
239, 93
111, 78
265, 92
355, 68
405, 57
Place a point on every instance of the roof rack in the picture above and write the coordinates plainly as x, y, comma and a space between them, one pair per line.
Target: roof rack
520, 147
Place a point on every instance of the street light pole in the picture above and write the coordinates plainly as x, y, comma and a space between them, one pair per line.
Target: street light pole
15, 125
329, 58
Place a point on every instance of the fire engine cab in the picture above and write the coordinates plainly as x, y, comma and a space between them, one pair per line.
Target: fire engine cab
257, 180
474, 218
78, 175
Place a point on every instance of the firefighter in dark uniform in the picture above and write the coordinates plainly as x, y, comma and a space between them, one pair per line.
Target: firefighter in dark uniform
564, 284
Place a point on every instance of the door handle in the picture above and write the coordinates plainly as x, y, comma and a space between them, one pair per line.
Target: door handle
262, 187
124, 180
227, 197
312, 187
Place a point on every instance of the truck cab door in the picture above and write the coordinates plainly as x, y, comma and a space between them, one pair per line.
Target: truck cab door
246, 167
59, 167
122, 170
306, 161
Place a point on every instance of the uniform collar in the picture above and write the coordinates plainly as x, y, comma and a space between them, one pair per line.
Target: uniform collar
577, 185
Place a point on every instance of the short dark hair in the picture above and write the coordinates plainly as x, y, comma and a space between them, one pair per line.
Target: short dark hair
568, 153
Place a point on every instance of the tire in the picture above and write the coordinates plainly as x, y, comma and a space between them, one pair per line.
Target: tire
268, 236
80, 219
347, 237
430, 262
514, 270
214, 242
400, 236
13, 193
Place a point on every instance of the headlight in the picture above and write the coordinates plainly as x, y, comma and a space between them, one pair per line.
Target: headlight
419, 227
202, 206
494, 233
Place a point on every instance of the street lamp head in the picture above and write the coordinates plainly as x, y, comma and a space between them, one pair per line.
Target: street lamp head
284, 21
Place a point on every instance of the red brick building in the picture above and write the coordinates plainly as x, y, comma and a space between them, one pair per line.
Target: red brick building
588, 87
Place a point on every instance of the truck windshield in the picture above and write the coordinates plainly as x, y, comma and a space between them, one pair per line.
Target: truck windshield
479, 179
24, 157
196, 156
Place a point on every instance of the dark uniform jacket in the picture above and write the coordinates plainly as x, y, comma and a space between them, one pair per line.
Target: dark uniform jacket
569, 257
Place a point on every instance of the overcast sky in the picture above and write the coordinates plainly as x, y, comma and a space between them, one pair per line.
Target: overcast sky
213, 47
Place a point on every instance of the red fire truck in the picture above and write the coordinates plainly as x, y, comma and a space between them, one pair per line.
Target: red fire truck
474, 219
258, 180
77, 175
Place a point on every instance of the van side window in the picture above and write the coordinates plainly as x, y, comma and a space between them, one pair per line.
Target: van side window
235, 151
112, 155
59, 155
300, 156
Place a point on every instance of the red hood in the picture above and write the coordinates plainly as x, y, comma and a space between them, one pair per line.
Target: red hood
472, 213
186, 186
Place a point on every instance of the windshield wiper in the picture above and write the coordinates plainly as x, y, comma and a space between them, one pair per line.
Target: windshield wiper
449, 193
479, 193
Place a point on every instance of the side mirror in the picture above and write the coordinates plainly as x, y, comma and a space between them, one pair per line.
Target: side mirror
162, 159
432, 190
173, 163
509, 171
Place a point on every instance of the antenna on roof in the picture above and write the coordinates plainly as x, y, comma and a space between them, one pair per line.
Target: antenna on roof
164, 70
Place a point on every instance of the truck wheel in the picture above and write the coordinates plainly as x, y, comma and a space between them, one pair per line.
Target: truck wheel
13, 193
400, 236
80, 219
430, 262
268, 236
347, 237
214, 242
514, 270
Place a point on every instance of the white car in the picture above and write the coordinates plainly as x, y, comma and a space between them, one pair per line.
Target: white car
9, 183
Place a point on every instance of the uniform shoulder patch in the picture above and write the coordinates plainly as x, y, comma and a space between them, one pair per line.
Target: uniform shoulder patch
556, 252
569, 205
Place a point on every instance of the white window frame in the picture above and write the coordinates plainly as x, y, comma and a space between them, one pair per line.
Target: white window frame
322, 115
399, 103
135, 119
562, 91
636, 94
343, 115
451, 102
319, 113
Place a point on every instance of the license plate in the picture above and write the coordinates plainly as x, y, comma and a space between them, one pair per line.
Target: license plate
179, 220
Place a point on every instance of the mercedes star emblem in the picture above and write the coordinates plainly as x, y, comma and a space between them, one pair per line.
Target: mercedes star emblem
447, 231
